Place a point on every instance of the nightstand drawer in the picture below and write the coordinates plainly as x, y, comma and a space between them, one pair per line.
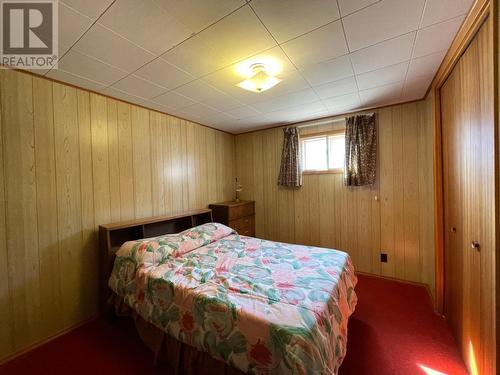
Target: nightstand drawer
244, 226
243, 210
238, 215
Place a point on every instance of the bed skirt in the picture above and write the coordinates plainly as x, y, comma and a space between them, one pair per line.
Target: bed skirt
177, 357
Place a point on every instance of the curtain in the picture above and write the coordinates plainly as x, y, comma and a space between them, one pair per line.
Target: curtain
290, 171
360, 150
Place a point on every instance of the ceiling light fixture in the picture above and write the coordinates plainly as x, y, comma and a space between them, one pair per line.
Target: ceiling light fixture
260, 79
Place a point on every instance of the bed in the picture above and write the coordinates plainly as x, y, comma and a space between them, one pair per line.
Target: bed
258, 306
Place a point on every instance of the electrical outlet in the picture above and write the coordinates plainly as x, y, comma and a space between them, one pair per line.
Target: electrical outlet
383, 258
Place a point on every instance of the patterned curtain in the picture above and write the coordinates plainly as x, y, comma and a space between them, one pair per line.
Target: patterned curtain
290, 170
360, 150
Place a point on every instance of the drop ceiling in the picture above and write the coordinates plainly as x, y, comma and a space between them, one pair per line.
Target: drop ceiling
179, 57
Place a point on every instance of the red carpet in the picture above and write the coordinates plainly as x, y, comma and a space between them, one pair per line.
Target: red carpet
393, 331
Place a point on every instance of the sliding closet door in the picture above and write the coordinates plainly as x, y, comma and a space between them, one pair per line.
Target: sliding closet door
469, 186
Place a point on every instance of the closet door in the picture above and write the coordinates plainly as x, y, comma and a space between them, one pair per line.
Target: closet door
454, 199
469, 186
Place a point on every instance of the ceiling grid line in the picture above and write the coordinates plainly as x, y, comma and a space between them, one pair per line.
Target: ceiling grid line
413, 48
349, 48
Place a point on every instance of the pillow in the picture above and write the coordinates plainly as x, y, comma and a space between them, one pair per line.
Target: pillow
156, 250
140, 254
202, 235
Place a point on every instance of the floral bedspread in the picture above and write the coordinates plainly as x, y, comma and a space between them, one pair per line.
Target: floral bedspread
261, 306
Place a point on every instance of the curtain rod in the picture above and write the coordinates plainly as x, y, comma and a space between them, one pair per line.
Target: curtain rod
327, 121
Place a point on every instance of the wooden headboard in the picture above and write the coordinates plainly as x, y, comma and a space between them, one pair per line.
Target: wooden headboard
112, 236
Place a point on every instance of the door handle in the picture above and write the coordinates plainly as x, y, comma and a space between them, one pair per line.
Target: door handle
475, 245
453, 230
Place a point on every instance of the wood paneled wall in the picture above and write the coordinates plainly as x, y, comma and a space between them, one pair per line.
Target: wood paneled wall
69, 161
396, 216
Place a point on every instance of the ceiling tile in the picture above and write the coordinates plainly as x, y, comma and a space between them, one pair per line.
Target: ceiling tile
416, 89
195, 56
286, 101
118, 94
139, 87
387, 53
90, 8
287, 19
73, 79
437, 37
163, 30
198, 90
90, 68
218, 117
441, 10
319, 45
297, 113
164, 74
291, 82
306, 109
178, 113
222, 102
381, 95
247, 123
218, 123
173, 100
382, 21
71, 27
425, 66
243, 112
384, 76
198, 14
328, 71
236, 37
201, 111
350, 101
112, 49
350, 6
159, 107
336, 88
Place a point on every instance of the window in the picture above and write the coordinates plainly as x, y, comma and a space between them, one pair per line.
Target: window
323, 152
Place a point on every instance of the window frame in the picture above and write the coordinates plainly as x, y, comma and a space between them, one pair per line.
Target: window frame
317, 135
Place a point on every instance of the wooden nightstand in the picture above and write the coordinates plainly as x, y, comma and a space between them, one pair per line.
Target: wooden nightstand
238, 215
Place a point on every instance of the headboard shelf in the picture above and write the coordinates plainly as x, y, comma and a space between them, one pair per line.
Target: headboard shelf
155, 219
113, 235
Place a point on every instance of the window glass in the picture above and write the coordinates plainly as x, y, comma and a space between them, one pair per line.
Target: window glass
336, 151
315, 154
323, 152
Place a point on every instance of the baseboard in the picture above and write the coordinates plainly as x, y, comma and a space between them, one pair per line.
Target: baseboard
426, 286
12, 356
